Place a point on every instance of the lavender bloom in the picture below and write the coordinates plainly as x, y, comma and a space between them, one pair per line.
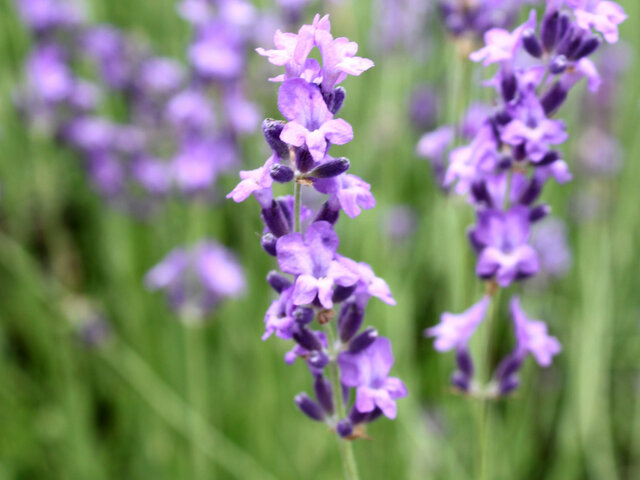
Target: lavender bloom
49, 74
368, 372
197, 279
549, 240
602, 15
455, 330
46, 15
305, 243
311, 259
311, 123
505, 166
502, 239
532, 336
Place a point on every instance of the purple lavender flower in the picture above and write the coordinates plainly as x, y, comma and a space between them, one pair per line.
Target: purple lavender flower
312, 259
310, 121
197, 279
306, 244
549, 240
532, 336
47, 15
368, 372
455, 330
49, 74
602, 15
502, 239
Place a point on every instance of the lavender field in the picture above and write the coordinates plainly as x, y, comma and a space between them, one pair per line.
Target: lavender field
319, 239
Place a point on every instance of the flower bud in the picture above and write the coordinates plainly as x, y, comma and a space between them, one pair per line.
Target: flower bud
327, 214
589, 45
303, 315
509, 87
318, 360
304, 160
277, 281
335, 99
272, 129
356, 417
465, 362
324, 393
268, 242
554, 98
340, 293
550, 157
509, 385
549, 30
306, 338
480, 193
349, 321
460, 381
363, 341
310, 408
531, 193
331, 168
531, 43
558, 65
539, 212
281, 173
344, 428
275, 220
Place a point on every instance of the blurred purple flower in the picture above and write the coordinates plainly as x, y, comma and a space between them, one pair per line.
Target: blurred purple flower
455, 330
532, 336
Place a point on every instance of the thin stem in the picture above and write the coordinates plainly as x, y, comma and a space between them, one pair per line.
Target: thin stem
484, 421
297, 200
349, 464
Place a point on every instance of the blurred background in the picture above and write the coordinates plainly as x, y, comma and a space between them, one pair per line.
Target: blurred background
100, 379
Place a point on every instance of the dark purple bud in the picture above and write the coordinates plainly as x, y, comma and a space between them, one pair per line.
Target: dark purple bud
303, 315
335, 99
509, 86
356, 417
465, 362
340, 293
277, 281
330, 169
460, 381
306, 338
539, 212
480, 193
268, 242
272, 129
531, 43
509, 385
327, 214
554, 98
564, 20
363, 341
324, 393
373, 416
286, 209
318, 360
570, 45
310, 408
475, 243
344, 428
508, 367
505, 162
519, 152
558, 65
531, 193
589, 45
304, 160
550, 157
502, 117
349, 320
281, 173
549, 30
275, 220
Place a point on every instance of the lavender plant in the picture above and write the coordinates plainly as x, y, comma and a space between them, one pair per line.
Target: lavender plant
504, 169
314, 279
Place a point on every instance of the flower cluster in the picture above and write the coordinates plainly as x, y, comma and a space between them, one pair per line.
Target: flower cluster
170, 137
474, 17
314, 278
197, 279
511, 156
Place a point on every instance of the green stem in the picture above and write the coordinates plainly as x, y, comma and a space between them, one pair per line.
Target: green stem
297, 200
349, 464
484, 414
